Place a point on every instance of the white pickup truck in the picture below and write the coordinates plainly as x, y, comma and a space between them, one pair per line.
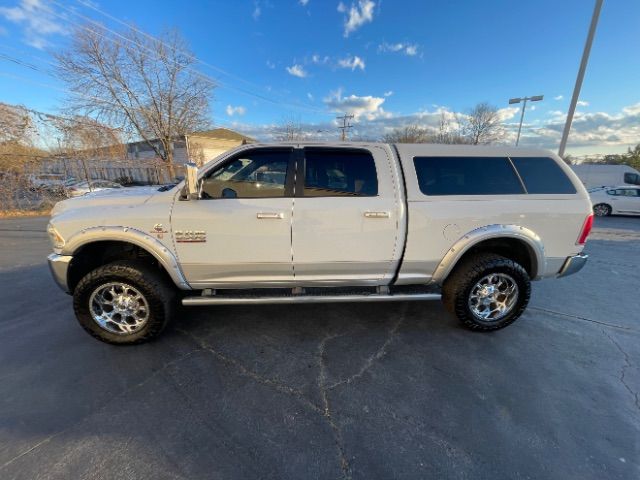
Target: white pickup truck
300, 223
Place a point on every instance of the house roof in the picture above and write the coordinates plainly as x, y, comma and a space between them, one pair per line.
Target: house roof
223, 134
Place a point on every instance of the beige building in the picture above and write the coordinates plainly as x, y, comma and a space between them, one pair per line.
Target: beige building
198, 147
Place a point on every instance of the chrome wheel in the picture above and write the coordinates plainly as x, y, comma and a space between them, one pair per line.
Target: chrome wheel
119, 308
493, 297
601, 210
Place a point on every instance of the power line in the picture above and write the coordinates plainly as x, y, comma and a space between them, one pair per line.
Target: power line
215, 82
345, 126
19, 62
115, 108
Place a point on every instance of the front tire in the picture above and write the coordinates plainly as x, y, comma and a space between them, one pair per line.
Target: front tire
602, 210
123, 303
487, 292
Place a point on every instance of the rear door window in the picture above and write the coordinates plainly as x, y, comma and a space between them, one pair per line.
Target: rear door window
467, 176
543, 175
339, 172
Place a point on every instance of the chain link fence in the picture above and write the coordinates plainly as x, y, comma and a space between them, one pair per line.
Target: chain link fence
35, 185
45, 158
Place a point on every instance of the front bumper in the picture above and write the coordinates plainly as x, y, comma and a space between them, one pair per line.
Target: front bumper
59, 265
573, 265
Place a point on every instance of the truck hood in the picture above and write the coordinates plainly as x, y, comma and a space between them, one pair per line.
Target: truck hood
115, 197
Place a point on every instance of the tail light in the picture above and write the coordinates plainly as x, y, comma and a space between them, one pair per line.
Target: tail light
586, 230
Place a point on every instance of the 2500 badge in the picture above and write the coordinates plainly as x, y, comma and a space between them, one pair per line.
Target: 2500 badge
191, 236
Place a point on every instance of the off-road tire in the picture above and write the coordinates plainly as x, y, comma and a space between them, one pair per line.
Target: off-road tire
458, 285
159, 294
602, 210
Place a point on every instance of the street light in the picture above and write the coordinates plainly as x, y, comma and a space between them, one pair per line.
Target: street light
535, 98
580, 77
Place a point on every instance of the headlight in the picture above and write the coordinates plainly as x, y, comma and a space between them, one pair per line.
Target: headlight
56, 239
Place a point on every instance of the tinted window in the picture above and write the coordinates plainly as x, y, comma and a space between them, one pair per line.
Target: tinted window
627, 192
632, 178
331, 173
542, 175
466, 176
252, 174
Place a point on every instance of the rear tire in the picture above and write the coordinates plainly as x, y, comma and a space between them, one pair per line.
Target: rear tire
602, 210
124, 302
487, 292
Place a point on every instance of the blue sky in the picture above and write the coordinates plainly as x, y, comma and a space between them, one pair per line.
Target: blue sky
389, 63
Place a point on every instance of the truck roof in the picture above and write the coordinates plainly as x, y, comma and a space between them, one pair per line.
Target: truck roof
426, 148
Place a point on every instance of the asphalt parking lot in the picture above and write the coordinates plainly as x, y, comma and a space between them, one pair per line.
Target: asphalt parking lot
357, 391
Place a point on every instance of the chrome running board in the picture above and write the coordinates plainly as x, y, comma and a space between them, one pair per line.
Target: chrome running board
257, 300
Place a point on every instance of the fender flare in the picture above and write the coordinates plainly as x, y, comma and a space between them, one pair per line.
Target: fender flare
474, 237
136, 237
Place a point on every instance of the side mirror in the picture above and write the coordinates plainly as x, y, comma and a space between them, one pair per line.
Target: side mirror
191, 181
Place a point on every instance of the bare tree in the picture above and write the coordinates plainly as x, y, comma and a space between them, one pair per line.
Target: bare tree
86, 138
143, 84
16, 125
408, 134
483, 125
449, 129
290, 130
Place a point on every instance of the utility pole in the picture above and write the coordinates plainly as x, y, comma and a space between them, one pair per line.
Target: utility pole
580, 77
524, 100
345, 126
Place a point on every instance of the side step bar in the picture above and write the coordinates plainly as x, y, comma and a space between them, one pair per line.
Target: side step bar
221, 300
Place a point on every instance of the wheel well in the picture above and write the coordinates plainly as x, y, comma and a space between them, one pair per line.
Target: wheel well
95, 254
511, 248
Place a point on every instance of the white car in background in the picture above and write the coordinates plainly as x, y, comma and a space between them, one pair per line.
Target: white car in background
624, 200
82, 188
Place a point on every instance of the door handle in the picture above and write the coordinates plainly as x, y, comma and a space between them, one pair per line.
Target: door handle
270, 215
377, 214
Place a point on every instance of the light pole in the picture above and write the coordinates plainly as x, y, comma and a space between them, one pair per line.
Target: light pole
535, 98
580, 77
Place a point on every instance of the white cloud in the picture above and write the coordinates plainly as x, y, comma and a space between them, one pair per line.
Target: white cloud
320, 60
239, 110
303, 2
591, 132
507, 113
388, 94
357, 15
352, 63
558, 97
410, 49
310, 96
583, 103
270, 64
38, 19
257, 11
632, 109
367, 106
297, 71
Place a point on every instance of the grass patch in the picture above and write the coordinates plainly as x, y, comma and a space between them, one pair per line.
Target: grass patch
25, 213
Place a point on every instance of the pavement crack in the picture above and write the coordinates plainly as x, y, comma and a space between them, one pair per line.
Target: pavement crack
101, 408
247, 372
583, 319
623, 371
326, 406
377, 355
